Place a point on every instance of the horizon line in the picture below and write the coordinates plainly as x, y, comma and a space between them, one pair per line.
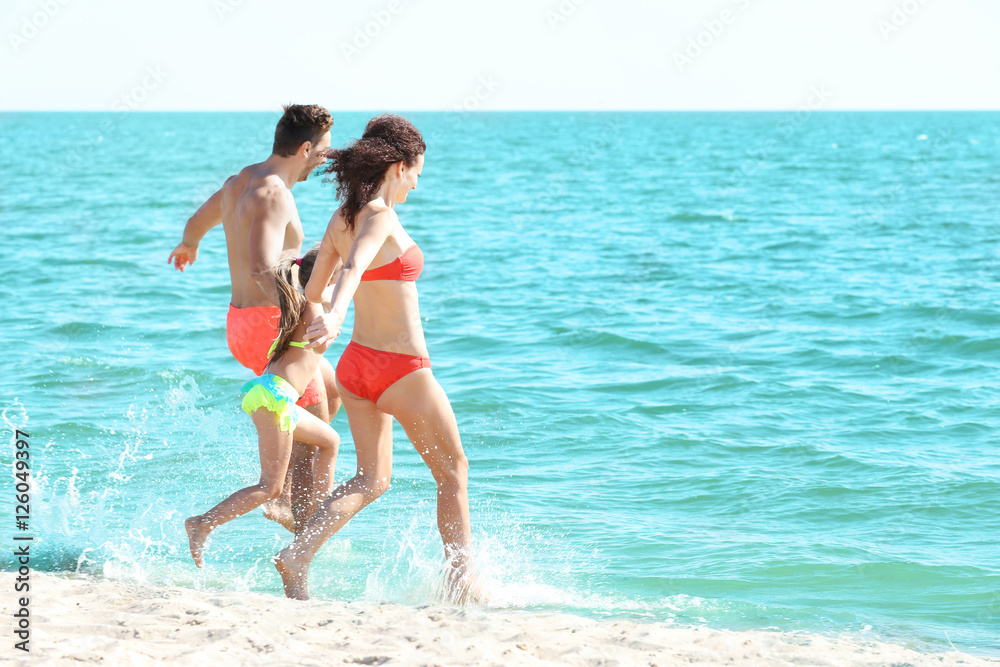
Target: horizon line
493, 111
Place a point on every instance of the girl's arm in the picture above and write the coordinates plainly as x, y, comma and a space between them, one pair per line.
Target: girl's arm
370, 237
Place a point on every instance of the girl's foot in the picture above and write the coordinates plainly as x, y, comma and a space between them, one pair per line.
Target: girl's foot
279, 510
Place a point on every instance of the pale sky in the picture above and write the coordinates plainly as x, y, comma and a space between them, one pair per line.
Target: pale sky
410, 55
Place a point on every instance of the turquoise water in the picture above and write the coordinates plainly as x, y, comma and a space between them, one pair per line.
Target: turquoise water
735, 369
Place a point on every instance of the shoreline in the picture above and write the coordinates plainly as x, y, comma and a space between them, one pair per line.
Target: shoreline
94, 620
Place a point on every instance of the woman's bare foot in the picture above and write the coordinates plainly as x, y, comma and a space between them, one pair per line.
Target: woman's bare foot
464, 588
294, 573
279, 510
198, 532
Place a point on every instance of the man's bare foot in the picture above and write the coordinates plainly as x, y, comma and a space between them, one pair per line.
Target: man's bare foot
294, 573
279, 510
197, 534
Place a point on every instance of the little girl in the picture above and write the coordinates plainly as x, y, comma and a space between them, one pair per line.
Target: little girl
270, 402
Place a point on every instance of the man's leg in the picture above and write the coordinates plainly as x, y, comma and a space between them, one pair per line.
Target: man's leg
304, 458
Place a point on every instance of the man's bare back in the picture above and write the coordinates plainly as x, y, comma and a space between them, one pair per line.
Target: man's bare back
258, 212
254, 192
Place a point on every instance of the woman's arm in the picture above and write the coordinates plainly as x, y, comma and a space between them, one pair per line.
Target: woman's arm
370, 236
318, 290
328, 292
312, 310
327, 260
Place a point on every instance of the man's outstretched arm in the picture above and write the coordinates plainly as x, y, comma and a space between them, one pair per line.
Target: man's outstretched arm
207, 216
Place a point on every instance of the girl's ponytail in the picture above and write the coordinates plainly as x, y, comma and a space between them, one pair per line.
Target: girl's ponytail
291, 300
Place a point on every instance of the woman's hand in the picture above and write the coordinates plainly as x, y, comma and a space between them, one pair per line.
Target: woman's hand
324, 327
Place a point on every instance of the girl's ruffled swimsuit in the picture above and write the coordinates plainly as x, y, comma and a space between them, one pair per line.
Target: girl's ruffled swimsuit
277, 395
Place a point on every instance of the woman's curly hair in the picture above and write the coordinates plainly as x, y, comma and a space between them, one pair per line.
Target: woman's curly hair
359, 169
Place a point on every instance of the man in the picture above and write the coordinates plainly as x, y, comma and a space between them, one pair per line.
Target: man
261, 223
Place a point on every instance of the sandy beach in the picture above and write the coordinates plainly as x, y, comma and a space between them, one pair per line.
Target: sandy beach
80, 620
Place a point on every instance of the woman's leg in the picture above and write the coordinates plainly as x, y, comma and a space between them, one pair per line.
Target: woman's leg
372, 432
275, 448
421, 407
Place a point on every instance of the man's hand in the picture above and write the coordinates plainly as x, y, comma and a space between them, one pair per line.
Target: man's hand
324, 329
182, 256
207, 216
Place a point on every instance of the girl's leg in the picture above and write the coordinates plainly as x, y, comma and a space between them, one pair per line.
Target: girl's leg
293, 508
421, 407
372, 431
275, 448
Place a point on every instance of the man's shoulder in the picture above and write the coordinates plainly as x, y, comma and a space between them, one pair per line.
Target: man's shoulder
267, 192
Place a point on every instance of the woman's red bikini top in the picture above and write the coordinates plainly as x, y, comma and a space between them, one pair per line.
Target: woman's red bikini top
405, 267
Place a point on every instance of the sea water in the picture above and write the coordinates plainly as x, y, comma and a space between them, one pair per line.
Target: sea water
731, 369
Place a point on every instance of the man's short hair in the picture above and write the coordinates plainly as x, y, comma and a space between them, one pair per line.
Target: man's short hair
300, 123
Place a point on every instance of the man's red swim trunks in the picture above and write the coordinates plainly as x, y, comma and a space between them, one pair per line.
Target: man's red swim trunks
250, 332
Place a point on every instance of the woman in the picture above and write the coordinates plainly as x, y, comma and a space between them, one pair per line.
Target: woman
385, 371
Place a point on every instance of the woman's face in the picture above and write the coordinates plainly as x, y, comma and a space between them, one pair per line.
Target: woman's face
408, 179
